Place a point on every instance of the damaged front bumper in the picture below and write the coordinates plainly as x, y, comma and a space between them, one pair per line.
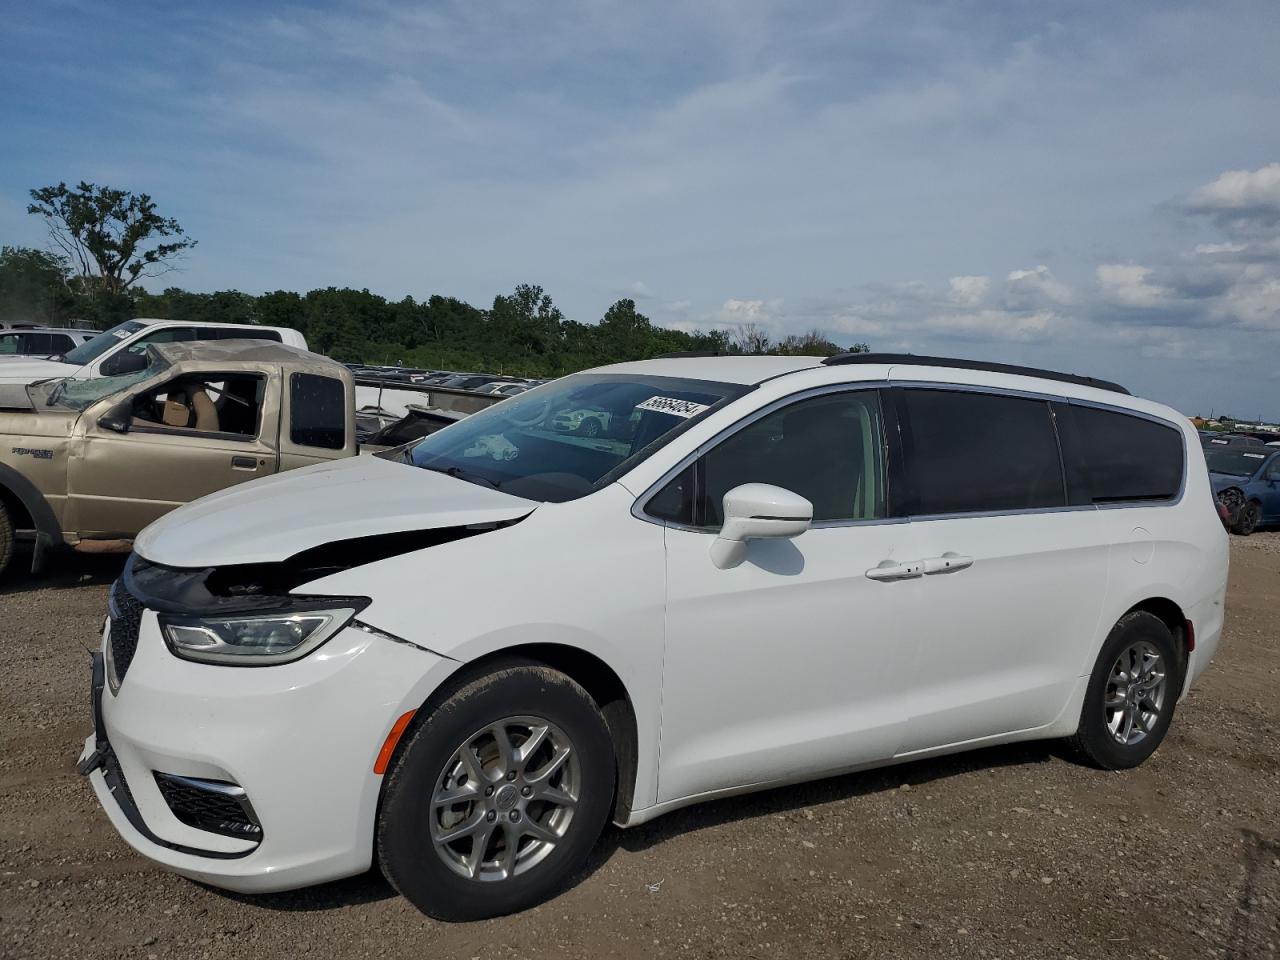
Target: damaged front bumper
292, 745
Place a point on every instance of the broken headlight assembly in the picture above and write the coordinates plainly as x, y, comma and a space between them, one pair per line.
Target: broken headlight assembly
256, 639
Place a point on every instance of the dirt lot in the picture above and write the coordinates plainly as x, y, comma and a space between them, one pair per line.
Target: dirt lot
1007, 852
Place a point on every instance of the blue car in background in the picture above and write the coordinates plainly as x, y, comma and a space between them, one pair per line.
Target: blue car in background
1246, 480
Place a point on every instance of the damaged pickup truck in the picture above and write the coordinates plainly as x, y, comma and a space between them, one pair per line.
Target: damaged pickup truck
87, 464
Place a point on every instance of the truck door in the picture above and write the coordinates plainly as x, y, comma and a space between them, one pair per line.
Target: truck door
168, 445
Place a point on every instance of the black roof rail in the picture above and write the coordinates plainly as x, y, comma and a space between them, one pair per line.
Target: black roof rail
677, 354
920, 361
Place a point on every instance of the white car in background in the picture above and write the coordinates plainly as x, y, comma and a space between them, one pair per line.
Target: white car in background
459, 658
42, 341
122, 349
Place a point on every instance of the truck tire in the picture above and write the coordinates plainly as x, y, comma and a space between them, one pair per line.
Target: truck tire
6, 538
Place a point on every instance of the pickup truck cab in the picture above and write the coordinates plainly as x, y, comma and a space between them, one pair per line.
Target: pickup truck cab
88, 464
122, 349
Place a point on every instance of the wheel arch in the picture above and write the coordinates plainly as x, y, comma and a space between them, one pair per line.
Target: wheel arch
1174, 617
29, 510
590, 672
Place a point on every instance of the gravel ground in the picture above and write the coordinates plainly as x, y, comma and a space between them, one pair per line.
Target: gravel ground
1012, 852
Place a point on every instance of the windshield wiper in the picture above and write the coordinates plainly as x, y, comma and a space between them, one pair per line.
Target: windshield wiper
468, 475
471, 475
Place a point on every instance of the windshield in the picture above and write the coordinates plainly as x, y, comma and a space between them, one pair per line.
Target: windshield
1236, 462
91, 350
571, 436
78, 394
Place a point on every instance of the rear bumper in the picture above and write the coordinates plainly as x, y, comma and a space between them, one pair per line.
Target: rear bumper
300, 738
1207, 618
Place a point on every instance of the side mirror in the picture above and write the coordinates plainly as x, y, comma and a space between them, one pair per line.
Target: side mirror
124, 362
117, 418
758, 511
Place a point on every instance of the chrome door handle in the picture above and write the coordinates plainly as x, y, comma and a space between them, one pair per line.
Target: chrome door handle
888, 570
947, 563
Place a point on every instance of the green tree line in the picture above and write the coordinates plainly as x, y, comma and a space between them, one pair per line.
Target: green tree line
521, 333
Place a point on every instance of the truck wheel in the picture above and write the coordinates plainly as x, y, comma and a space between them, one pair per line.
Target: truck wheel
1248, 518
6, 538
498, 798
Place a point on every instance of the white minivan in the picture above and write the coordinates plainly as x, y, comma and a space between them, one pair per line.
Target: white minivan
123, 348
460, 658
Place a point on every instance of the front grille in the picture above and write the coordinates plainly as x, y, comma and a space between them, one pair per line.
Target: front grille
126, 619
212, 805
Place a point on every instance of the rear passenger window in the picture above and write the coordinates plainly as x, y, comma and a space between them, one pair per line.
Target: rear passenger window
975, 452
1122, 457
317, 411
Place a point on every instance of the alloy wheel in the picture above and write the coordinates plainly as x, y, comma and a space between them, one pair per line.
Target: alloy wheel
505, 799
1135, 694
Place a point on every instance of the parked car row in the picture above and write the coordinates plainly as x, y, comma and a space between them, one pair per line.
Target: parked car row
486, 383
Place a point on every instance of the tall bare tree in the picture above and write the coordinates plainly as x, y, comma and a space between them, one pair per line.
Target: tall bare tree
111, 237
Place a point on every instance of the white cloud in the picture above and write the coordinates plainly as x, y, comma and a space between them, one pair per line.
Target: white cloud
639, 290
969, 291
739, 312
992, 325
1127, 285
1037, 285
1241, 190
1213, 249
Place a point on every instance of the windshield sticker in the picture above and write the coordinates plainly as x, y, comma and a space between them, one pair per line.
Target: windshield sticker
121, 334
677, 408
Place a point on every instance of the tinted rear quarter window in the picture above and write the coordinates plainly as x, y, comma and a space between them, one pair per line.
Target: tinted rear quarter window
317, 411
970, 452
1121, 457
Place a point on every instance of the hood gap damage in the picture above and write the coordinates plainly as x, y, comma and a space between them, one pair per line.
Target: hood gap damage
237, 588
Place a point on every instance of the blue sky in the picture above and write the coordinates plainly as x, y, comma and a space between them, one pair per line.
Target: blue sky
1087, 186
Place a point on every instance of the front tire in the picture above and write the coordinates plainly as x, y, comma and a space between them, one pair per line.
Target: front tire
1132, 693
7, 539
497, 799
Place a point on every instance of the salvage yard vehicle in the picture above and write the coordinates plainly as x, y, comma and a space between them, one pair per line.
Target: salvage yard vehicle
41, 341
89, 463
1246, 480
791, 568
123, 349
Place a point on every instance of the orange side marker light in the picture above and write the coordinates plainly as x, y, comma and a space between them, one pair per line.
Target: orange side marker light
389, 745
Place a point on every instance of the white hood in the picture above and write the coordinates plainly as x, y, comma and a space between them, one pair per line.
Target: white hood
276, 517
29, 369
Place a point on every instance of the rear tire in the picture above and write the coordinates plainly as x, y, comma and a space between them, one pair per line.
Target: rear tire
473, 826
7, 539
1248, 519
1132, 694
